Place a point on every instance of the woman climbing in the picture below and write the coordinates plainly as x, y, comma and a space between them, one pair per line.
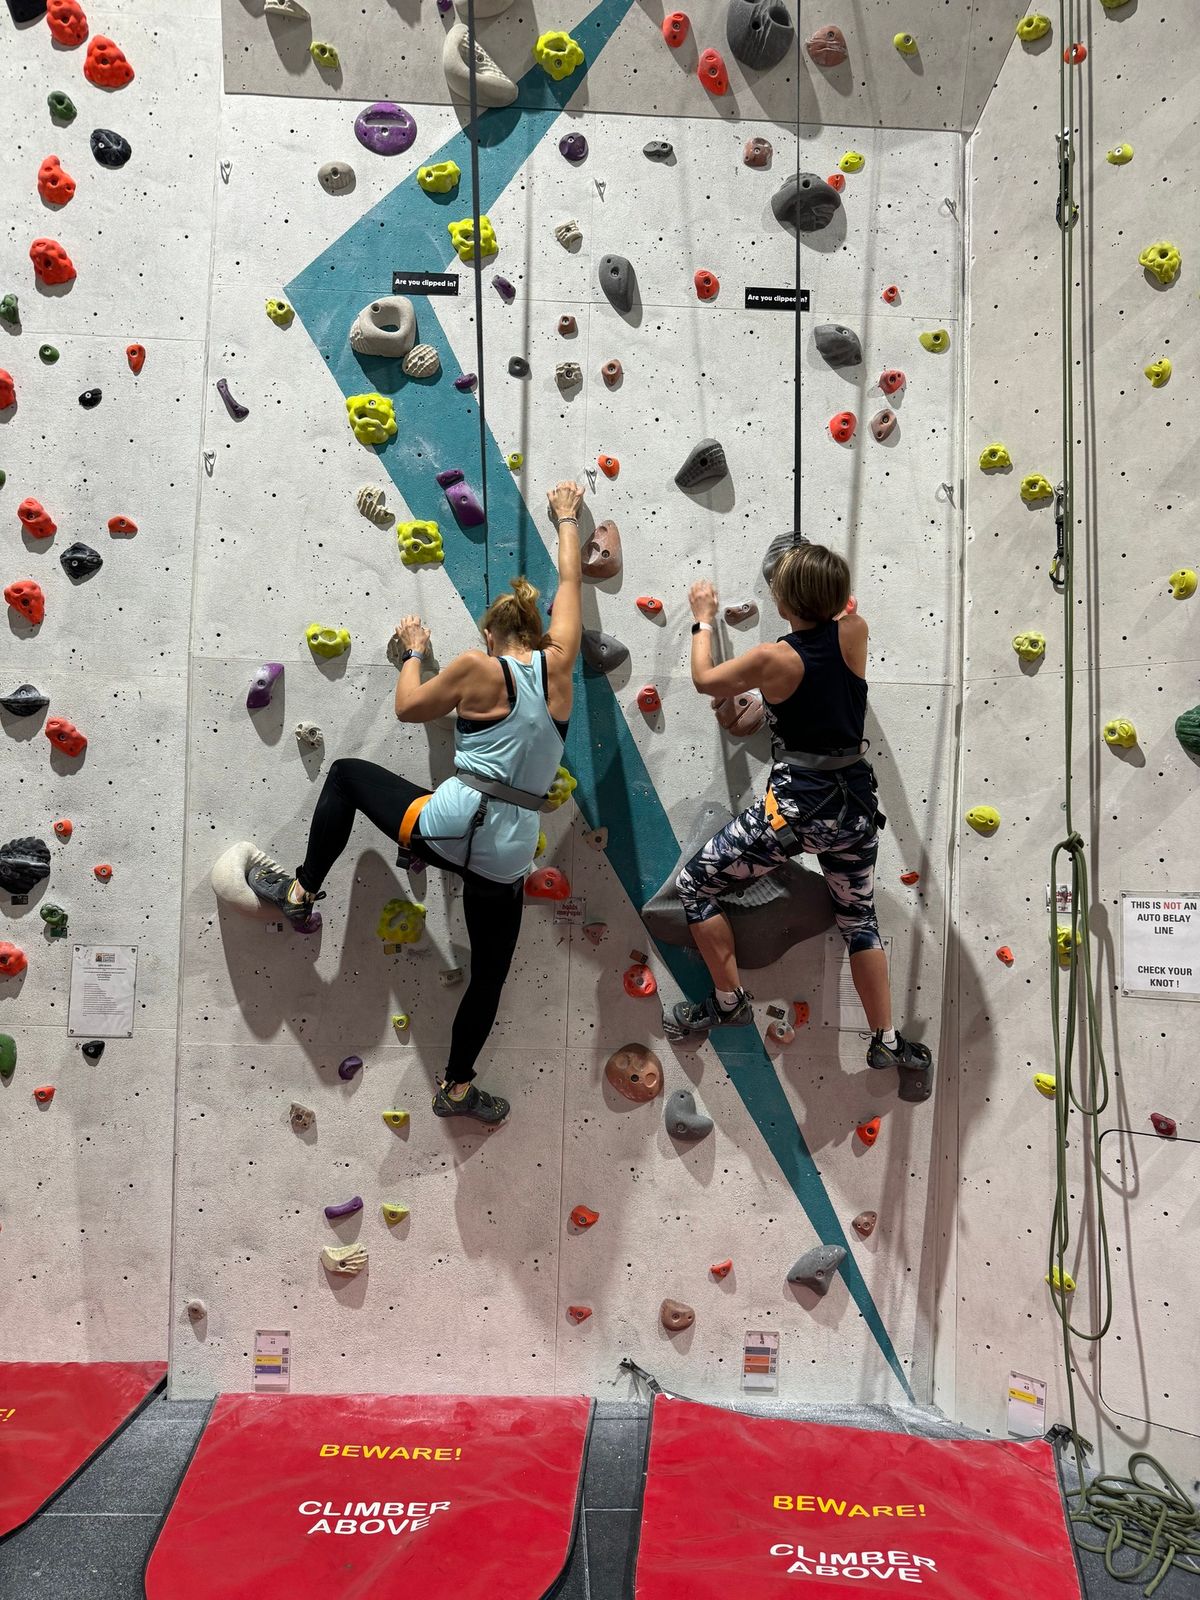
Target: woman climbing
821, 796
512, 705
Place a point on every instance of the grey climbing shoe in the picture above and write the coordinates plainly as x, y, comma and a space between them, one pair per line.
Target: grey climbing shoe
271, 884
477, 1103
912, 1061
699, 1016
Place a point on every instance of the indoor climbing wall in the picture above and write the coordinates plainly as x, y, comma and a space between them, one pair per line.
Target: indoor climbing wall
472, 1288
1136, 495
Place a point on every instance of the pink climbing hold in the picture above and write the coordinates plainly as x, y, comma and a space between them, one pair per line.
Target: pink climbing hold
676, 28
891, 295
579, 1314
1164, 1127
842, 426
707, 284
891, 379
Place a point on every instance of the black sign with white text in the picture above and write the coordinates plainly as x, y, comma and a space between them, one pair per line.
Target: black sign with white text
424, 282
775, 299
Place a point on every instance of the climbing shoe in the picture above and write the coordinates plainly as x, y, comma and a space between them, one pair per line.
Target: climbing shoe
271, 884
912, 1061
477, 1103
699, 1016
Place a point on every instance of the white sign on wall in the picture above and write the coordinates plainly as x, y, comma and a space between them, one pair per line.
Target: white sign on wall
1160, 945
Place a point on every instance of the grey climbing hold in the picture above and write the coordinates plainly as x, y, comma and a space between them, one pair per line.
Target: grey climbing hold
80, 560
705, 464
816, 1267
759, 32
777, 546
518, 367
387, 327
336, 177
682, 1119
92, 1049
617, 281
568, 374
769, 914
196, 1310
370, 501
602, 652
285, 8
658, 150
839, 346
806, 202
25, 701
23, 864
740, 611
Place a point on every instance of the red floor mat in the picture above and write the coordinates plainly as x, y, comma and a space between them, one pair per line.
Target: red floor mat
756, 1507
344, 1497
54, 1416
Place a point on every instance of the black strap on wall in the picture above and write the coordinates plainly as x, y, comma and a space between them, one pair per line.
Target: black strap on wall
473, 135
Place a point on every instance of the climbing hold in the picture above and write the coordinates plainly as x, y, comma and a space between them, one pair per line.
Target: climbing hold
1120, 734
984, 819
23, 864
579, 1313
557, 54
8, 1056
567, 325
440, 177
639, 982
392, 1214
8, 397
105, 64
492, 87
462, 236
348, 1067
9, 310
683, 1120
675, 28
196, 1310
852, 161
55, 186
103, 872
573, 146
385, 128
617, 281
757, 152
635, 1072
816, 1267
867, 1132
584, 1217
514, 461
836, 180
346, 1209
675, 1316
325, 55
937, 341
1159, 372
1062, 1283
891, 294
1183, 584
13, 960
742, 715
649, 700
135, 355
62, 107
722, 1269
609, 465
422, 361
612, 372
1029, 646
707, 284
372, 418
1162, 259
712, 72
44, 1094
386, 327
48, 354
805, 202
90, 399
346, 1259
705, 464
370, 501
80, 560
883, 425
26, 597
67, 23
468, 512
602, 652
309, 734
1035, 487
568, 374
905, 43
1075, 55
518, 367
421, 542
279, 312
122, 525
32, 514
285, 8
327, 642
1005, 955
110, 149
649, 605
24, 701
864, 1223
234, 407
1034, 26
336, 177
1045, 1084
993, 457
64, 828
602, 552
842, 426
780, 1031
396, 1117
827, 47
1164, 1127
759, 32
658, 150
1120, 155
547, 883
504, 288
839, 346
891, 379
568, 234
301, 1117
51, 263
742, 611
561, 789
56, 919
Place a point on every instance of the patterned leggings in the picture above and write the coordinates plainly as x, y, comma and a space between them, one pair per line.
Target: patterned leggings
748, 847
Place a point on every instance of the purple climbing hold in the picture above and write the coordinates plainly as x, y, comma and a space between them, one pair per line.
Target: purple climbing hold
349, 1067
574, 146
451, 475
444, 6
262, 685
504, 289
468, 512
386, 128
347, 1209
236, 410
311, 924
466, 382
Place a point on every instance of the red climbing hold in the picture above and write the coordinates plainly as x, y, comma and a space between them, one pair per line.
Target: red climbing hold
579, 1313
584, 1217
1005, 954
1075, 55
649, 700
66, 22
609, 465
135, 354
891, 379
836, 180
910, 877
8, 390
711, 72
13, 960
1164, 1127
800, 1012
891, 295
649, 605
868, 1132
55, 186
105, 64
36, 520
708, 285
26, 597
640, 982
120, 524
51, 263
547, 883
65, 736
44, 1094
64, 827
842, 426
103, 871
676, 28
722, 1269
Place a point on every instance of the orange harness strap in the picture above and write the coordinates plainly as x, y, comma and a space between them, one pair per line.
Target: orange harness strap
409, 820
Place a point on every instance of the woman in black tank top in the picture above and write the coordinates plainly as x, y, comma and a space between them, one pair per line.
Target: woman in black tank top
821, 796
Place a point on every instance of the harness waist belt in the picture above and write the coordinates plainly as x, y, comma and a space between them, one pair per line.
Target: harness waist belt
821, 761
501, 791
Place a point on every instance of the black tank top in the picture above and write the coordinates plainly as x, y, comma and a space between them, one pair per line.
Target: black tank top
829, 709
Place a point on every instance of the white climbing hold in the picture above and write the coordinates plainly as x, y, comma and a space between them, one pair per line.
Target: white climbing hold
369, 501
568, 234
228, 879
387, 327
492, 87
344, 1258
308, 733
422, 361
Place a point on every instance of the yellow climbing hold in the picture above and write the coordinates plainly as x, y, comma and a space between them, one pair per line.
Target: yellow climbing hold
561, 790
558, 54
327, 642
1035, 26
514, 461
1035, 487
1183, 584
462, 237
1065, 1284
539, 850
393, 1214
420, 543
400, 1022
1159, 372
396, 1118
984, 819
1043, 1082
853, 161
325, 55
401, 922
1030, 646
1119, 155
905, 43
280, 312
937, 341
995, 456
1162, 259
439, 178
372, 417
1120, 734
1065, 941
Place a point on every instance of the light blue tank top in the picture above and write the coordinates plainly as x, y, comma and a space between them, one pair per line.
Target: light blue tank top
522, 750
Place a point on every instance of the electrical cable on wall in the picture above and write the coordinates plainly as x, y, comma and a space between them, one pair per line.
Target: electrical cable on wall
473, 135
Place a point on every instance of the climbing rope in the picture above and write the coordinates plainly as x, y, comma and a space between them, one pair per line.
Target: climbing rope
473, 135
1158, 1523
797, 438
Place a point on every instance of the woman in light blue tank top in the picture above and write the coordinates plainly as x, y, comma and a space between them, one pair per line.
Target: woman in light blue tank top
512, 706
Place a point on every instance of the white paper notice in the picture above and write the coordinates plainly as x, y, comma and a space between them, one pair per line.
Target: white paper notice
272, 1361
103, 987
1026, 1406
1160, 945
841, 1007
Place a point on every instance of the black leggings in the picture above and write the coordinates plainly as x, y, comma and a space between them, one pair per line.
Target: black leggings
492, 910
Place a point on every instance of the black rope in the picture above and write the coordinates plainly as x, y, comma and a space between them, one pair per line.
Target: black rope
797, 441
473, 135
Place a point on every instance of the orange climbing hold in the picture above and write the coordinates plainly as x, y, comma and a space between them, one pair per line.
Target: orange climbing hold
842, 426
26, 597
609, 465
122, 525
800, 1012
722, 1269
44, 1095
13, 960
1005, 954
579, 1313
676, 28
836, 180
67, 23
649, 700
135, 354
708, 285
36, 520
547, 883
8, 390
1075, 55
64, 827
105, 64
649, 605
51, 263
584, 1217
868, 1132
103, 871
55, 186
910, 877
65, 736
711, 71
640, 982
891, 295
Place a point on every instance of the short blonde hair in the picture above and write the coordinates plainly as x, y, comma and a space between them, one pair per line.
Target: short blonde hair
517, 616
811, 582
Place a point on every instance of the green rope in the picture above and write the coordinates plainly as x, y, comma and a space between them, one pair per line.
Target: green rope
1159, 1524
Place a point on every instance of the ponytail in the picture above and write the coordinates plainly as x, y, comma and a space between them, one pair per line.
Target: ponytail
517, 616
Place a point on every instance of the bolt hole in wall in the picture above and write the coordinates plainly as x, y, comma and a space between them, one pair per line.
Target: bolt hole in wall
312, 538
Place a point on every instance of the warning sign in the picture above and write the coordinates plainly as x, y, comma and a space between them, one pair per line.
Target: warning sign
1160, 945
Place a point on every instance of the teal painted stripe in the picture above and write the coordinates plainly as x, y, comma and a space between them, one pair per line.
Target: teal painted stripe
439, 428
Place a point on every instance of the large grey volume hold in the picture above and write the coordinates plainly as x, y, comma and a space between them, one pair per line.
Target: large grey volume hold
602, 652
682, 1119
839, 346
777, 546
760, 32
816, 1267
806, 202
617, 281
705, 464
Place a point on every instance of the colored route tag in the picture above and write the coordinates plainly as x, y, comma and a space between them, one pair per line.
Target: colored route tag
760, 1360
1026, 1406
272, 1361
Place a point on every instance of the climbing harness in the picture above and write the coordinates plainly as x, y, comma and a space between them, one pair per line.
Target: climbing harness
496, 790
1158, 1524
473, 136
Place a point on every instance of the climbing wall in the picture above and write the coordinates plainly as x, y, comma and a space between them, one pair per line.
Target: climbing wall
1136, 497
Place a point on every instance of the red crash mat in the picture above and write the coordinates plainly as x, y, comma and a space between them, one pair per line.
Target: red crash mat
54, 1416
344, 1497
752, 1506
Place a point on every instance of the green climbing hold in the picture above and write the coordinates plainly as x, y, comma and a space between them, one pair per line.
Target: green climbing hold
1187, 730
9, 311
514, 461
1035, 487
1162, 259
48, 354
1035, 26
905, 43
8, 1056
62, 107
325, 55
1119, 155
439, 178
327, 642
55, 919
420, 543
401, 922
3, 478
994, 457
937, 341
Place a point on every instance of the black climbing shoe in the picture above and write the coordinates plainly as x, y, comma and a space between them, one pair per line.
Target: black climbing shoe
912, 1061
271, 884
477, 1103
699, 1016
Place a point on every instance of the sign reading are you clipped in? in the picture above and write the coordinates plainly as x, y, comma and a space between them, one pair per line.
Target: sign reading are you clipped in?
424, 282
1160, 945
758, 299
